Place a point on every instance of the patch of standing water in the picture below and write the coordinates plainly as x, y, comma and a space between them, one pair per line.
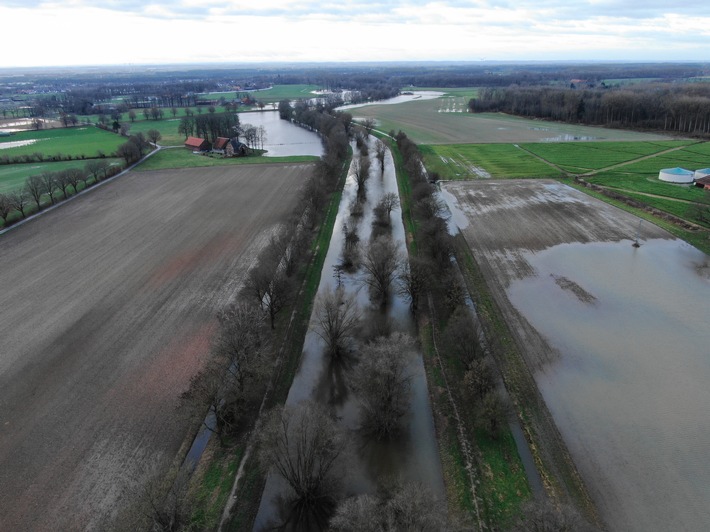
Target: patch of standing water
17, 143
282, 137
629, 390
414, 455
402, 98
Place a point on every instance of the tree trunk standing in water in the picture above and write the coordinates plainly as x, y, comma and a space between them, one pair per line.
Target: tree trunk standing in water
380, 262
303, 444
382, 382
337, 318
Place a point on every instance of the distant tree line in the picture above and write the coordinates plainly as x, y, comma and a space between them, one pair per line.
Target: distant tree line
679, 108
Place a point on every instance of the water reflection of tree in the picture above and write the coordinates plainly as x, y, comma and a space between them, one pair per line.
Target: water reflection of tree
304, 446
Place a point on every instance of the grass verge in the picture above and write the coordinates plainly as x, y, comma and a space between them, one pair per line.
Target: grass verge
501, 484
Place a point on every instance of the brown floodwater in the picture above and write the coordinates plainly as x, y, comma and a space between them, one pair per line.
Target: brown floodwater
629, 385
413, 456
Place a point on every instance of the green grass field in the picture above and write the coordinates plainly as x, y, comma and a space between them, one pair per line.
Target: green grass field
274, 94
82, 141
472, 161
182, 158
13, 176
582, 157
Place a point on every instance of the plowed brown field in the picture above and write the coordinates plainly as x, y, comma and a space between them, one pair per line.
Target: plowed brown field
107, 309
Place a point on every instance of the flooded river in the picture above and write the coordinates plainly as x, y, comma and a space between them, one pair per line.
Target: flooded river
629, 386
413, 456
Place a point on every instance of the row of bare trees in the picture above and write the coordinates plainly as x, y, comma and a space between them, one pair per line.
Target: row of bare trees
680, 108
48, 188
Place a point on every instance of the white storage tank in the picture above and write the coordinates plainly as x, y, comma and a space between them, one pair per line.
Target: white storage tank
676, 175
703, 172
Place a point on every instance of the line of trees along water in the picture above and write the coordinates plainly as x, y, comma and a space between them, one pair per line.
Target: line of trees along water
678, 108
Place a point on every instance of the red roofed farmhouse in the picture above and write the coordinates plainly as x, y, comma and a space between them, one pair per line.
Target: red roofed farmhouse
197, 144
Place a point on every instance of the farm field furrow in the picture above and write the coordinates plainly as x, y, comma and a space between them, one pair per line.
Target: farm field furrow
107, 309
613, 336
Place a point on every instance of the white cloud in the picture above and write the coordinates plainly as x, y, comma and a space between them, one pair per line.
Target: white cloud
129, 31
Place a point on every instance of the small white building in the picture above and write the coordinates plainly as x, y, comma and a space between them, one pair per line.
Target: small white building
676, 175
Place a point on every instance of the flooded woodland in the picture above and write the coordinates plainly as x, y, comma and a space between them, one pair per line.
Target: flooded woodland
412, 455
615, 336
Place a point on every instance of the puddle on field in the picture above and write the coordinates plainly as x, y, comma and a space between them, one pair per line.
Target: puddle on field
17, 143
402, 98
629, 391
565, 137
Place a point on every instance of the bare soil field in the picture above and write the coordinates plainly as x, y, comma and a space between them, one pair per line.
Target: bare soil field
107, 309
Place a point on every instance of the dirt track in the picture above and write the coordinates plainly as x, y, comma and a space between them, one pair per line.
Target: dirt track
106, 311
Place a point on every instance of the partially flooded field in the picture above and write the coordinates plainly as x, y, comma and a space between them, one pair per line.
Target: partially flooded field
614, 335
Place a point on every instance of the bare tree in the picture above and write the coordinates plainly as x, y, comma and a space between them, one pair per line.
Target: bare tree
381, 381
337, 318
19, 199
49, 184
61, 181
381, 151
5, 208
380, 263
361, 171
96, 167
303, 445
153, 136
73, 176
413, 275
543, 515
132, 115
463, 335
268, 283
389, 202
401, 507
369, 124
35, 189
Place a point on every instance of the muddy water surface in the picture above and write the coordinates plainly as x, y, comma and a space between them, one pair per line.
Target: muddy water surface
413, 456
629, 386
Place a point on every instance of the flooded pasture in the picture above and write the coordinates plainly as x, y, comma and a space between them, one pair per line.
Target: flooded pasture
617, 337
282, 137
413, 455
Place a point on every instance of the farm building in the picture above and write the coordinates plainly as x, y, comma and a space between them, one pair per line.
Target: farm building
703, 182
676, 175
236, 149
197, 144
220, 144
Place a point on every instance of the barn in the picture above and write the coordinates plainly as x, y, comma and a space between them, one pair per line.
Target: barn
676, 175
197, 144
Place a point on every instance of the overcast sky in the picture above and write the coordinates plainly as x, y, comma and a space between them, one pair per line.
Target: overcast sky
93, 32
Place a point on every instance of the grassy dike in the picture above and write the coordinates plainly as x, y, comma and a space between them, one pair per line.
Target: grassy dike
218, 468
491, 495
